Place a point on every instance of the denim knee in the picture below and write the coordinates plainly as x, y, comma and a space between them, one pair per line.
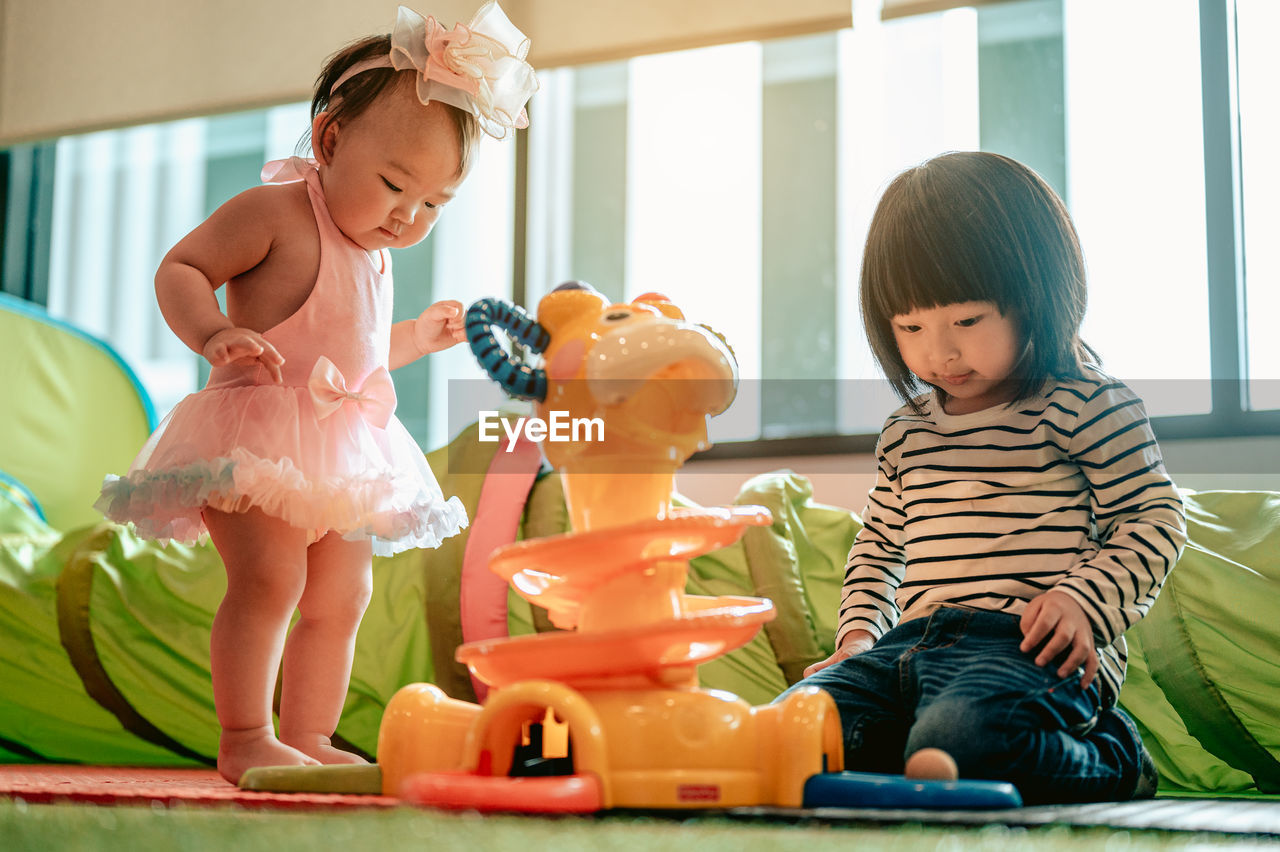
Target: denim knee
986, 735
967, 729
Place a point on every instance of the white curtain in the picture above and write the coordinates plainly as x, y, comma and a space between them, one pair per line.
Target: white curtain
121, 199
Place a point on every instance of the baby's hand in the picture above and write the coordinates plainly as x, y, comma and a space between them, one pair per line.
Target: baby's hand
1055, 616
243, 346
439, 327
855, 642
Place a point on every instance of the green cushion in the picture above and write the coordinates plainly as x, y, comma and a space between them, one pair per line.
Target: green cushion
83, 413
1203, 668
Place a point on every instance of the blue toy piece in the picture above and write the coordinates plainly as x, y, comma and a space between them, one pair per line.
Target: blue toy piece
516, 378
875, 790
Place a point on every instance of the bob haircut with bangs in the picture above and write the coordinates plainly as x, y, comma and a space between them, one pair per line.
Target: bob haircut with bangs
977, 227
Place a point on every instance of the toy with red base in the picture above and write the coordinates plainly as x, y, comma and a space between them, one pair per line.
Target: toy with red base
608, 713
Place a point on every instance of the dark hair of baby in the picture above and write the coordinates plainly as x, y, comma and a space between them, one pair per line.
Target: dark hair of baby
977, 227
361, 90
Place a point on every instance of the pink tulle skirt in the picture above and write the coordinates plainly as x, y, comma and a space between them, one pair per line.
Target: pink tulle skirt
263, 446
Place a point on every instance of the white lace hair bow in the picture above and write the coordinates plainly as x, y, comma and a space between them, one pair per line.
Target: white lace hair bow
477, 67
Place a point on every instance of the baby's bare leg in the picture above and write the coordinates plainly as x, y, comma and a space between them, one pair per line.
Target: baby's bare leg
265, 560
317, 657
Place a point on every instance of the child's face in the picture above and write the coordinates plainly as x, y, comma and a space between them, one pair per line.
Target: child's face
387, 172
967, 349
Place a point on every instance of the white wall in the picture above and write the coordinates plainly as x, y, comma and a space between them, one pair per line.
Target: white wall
72, 66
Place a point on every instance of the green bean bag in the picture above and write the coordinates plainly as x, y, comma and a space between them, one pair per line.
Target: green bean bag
105, 636
1204, 677
73, 413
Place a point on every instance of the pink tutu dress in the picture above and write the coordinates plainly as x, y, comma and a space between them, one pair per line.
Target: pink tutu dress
320, 450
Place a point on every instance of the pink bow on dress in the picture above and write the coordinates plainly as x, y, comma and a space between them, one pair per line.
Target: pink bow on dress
375, 399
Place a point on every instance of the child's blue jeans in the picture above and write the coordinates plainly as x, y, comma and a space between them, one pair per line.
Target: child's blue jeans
956, 680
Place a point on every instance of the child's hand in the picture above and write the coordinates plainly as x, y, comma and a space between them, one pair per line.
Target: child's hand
439, 327
1055, 616
855, 642
243, 346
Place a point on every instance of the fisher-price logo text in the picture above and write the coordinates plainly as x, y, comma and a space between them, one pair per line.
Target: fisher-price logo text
558, 427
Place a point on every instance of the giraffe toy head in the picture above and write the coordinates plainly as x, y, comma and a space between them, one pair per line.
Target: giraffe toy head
648, 376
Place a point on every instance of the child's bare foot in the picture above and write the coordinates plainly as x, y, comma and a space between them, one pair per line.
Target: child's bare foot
244, 749
931, 764
322, 749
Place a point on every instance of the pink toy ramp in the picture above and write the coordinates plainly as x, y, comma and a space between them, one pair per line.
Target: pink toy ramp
628, 574
655, 654
622, 588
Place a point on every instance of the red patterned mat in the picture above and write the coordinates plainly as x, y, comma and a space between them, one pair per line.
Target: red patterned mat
107, 785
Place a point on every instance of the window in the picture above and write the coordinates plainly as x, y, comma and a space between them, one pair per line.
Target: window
1259, 68
746, 199
739, 180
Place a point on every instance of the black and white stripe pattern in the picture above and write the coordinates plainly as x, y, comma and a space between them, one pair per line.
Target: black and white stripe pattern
1064, 491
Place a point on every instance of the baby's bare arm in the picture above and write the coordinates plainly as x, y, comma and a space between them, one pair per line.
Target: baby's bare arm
237, 237
438, 327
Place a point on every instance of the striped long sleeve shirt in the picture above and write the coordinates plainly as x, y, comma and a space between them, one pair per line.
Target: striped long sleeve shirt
1063, 491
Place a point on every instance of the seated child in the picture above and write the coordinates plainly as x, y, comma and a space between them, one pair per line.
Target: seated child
1021, 519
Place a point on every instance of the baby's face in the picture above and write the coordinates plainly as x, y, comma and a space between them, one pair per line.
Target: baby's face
390, 170
968, 349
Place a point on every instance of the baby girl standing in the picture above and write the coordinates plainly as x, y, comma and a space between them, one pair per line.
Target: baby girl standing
291, 458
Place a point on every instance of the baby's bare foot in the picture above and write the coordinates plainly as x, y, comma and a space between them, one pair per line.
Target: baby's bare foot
322, 749
240, 750
931, 764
